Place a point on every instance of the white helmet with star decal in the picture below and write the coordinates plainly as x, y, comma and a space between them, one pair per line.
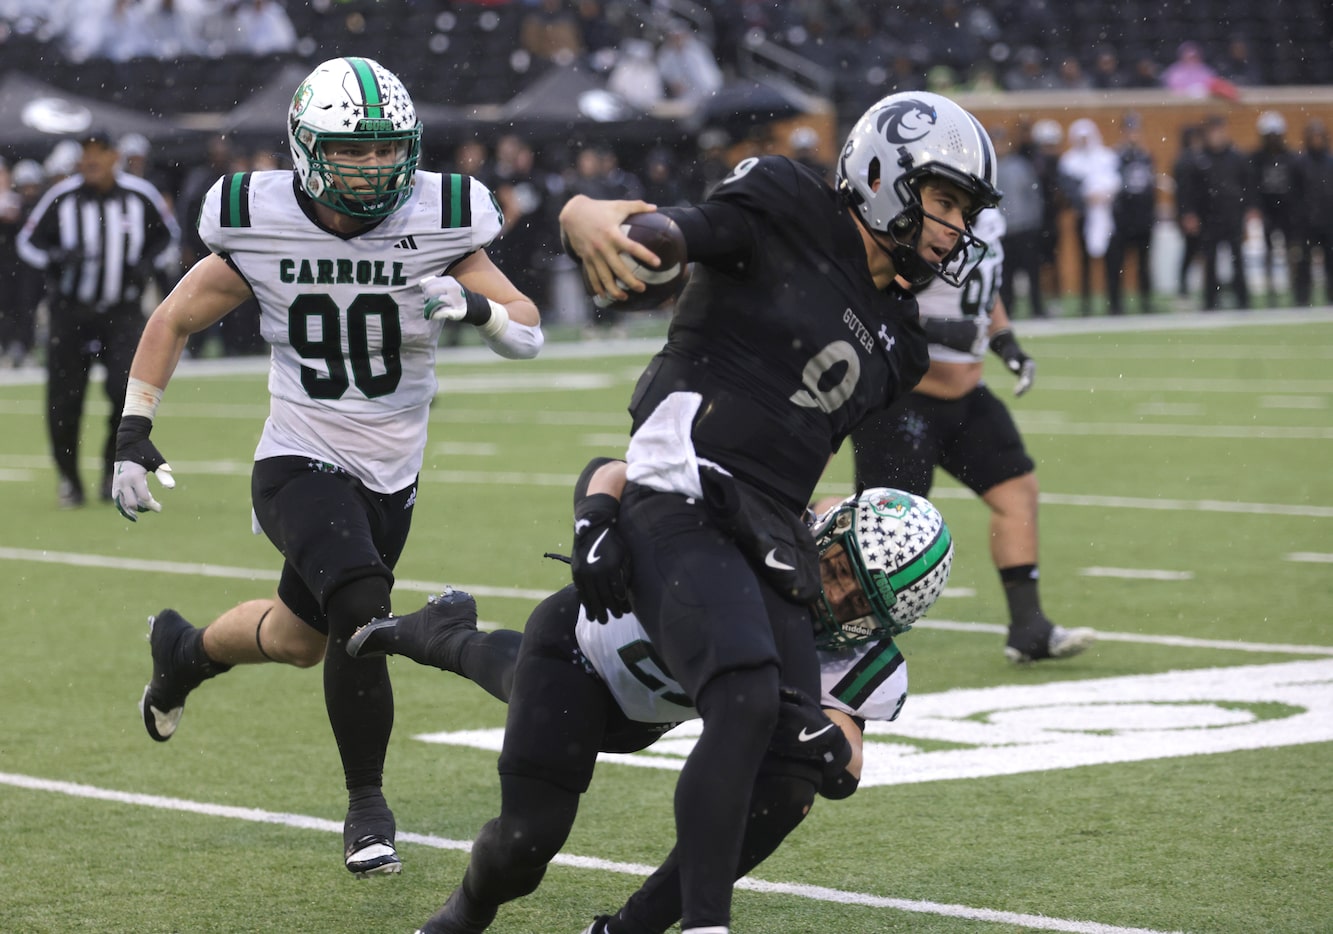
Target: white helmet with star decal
885, 557
355, 137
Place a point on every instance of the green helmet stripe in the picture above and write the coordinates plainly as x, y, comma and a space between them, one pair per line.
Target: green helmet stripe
924, 564
370, 88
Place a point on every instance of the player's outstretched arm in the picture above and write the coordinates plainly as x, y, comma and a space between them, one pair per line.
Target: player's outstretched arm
203, 297
480, 294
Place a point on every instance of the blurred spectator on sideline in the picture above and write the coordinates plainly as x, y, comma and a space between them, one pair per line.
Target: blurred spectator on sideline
1144, 73
1238, 65
1135, 215
1106, 74
1217, 200
689, 68
552, 33
21, 285
1185, 173
1275, 169
714, 160
600, 36
1188, 75
1040, 142
635, 75
1316, 200
1023, 208
1029, 72
524, 245
1070, 76
472, 158
803, 141
1091, 177
662, 184
261, 27
62, 161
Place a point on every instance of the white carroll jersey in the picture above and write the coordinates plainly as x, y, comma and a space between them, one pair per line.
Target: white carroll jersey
976, 296
352, 368
867, 680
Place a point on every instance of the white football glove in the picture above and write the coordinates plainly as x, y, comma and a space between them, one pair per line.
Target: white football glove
129, 488
136, 458
445, 298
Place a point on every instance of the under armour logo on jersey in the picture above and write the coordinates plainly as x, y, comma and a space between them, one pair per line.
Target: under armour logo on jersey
407, 243
905, 121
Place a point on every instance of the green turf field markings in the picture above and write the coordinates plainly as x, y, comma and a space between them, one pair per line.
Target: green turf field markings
1025, 728
1293, 402
1188, 642
1310, 557
1159, 384
1176, 409
73, 559
465, 449
1154, 430
573, 861
1137, 574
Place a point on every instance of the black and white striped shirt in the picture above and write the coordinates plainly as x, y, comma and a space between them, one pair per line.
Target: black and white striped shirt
100, 246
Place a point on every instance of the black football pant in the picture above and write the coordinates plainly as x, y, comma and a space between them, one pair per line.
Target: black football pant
79, 335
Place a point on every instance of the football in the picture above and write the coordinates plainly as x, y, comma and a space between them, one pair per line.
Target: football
661, 235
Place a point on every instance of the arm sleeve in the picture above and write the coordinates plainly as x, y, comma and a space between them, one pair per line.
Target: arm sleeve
716, 234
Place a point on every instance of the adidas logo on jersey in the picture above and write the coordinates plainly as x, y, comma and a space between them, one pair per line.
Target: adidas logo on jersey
407, 243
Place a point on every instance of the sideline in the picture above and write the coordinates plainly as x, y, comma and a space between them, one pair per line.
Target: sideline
814, 893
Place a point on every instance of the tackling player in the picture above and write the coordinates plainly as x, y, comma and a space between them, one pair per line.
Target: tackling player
356, 258
580, 687
953, 420
790, 331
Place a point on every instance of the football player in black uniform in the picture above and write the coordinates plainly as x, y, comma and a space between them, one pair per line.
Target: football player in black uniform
791, 329
580, 687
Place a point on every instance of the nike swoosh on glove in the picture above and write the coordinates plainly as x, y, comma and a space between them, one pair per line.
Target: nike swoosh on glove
136, 458
600, 560
804, 731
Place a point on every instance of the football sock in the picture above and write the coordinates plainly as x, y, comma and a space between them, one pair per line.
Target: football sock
191, 662
1020, 590
487, 659
357, 692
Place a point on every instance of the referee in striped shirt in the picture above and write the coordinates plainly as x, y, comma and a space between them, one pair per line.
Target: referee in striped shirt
98, 234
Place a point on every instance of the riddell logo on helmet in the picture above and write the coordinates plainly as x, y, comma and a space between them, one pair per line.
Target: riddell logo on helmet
906, 121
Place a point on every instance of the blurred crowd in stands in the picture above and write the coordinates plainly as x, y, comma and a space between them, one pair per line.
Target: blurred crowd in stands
1214, 199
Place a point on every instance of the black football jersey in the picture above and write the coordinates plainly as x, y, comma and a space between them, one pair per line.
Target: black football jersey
786, 348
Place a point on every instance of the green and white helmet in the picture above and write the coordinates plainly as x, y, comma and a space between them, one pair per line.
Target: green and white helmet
900, 553
360, 100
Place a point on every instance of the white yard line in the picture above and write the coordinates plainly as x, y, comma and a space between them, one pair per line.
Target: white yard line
797, 890
189, 569
1138, 574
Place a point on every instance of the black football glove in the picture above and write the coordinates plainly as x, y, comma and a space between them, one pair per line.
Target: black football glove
136, 458
805, 732
600, 562
1020, 364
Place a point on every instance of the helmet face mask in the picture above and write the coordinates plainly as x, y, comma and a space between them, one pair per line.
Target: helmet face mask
355, 138
900, 143
885, 557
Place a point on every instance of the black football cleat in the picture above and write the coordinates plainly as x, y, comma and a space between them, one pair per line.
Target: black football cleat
433, 635
163, 700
